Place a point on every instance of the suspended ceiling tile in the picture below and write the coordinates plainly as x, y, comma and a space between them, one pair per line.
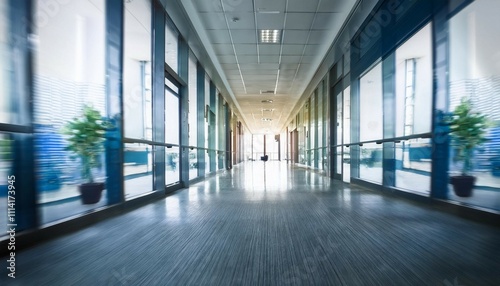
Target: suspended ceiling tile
269, 49
292, 50
270, 21
290, 59
308, 59
261, 77
235, 5
244, 37
332, 6
246, 49
289, 66
325, 21
299, 21
213, 20
319, 36
258, 71
247, 59
241, 21
207, 6
219, 36
295, 37
302, 5
313, 50
270, 6
269, 59
263, 66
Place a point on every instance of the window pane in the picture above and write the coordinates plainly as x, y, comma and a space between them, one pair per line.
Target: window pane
193, 92
370, 167
5, 66
474, 73
137, 70
371, 123
171, 117
137, 169
171, 46
172, 173
414, 84
413, 165
64, 81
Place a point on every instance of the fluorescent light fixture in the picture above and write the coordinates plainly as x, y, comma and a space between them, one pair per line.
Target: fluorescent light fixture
267, 119
270, 36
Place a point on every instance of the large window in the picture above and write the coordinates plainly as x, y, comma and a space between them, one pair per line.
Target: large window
5, 66
137, 97
414, 111
64, 81
371, 124
5, 113
192, 116
474, 74
171, 46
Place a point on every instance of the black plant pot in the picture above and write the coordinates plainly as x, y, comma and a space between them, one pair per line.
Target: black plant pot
463, 185
90, 193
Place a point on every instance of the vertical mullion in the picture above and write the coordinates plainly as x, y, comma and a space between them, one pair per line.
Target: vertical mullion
158, 96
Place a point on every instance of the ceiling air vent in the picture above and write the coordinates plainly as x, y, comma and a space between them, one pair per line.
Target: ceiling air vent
266, 91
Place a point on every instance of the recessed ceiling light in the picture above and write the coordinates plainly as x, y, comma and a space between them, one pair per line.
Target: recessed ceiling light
270, 36
267, 101
267, 119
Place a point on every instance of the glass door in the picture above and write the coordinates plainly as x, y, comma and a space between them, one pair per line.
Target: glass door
172, 155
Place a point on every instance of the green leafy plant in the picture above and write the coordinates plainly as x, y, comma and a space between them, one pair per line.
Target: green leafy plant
468, 130
5, 149
86, 138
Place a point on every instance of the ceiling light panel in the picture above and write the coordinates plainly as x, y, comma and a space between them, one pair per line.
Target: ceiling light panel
270, 36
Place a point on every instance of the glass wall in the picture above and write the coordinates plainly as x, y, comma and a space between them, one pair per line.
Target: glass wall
137, 97
346, 151
207, 124
192, 116
474, 74
5, 112
68, 87
311, 127
371, 124
171, 46
5, 65
414, 111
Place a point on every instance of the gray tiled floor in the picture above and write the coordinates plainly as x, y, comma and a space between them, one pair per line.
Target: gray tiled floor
270, 224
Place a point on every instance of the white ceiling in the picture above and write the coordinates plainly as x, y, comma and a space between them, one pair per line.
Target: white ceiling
229, 31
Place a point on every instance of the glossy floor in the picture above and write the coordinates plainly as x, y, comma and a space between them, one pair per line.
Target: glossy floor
270, 224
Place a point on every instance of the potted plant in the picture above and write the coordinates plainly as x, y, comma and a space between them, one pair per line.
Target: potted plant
86, 138
468, 130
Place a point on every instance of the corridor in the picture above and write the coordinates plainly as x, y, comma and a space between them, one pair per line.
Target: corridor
270, 224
